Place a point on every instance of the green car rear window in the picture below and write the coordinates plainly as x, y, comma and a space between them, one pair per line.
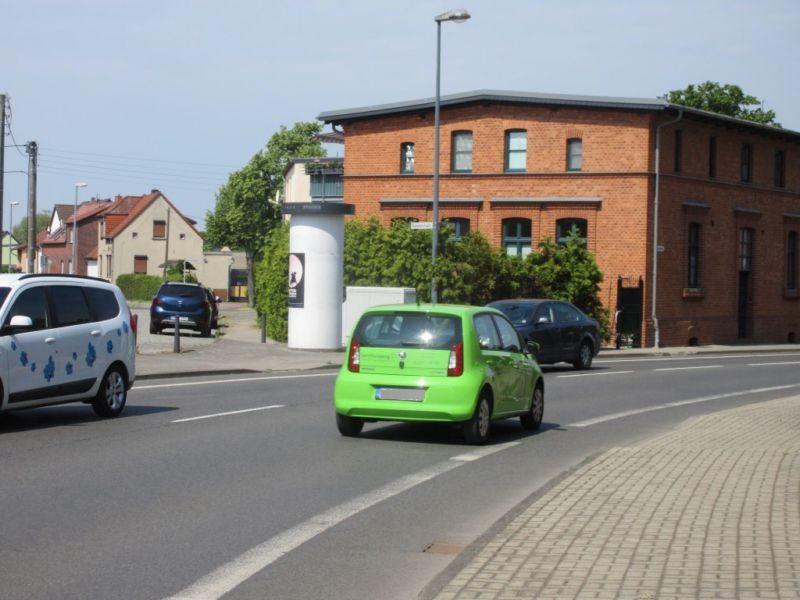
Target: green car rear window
408, 330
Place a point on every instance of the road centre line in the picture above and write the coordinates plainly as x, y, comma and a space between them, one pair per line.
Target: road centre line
639, 411
231, 412
227, 577
690, 368
593, 374
239, 380
696, 357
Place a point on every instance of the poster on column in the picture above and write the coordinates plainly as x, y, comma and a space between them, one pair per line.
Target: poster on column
297, 282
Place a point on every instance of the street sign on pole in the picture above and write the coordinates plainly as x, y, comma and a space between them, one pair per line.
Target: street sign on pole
422, 225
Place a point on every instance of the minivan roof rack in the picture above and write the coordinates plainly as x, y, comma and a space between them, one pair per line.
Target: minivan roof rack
66, 275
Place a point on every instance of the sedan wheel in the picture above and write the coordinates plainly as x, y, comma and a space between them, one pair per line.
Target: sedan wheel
476, 430
585, 356
532, 419
111, 396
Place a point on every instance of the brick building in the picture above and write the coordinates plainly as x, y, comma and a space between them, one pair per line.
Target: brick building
520, 167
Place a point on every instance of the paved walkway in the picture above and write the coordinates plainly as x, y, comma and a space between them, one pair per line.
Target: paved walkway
709, 510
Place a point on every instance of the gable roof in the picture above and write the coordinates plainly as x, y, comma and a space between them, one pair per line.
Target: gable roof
125, 210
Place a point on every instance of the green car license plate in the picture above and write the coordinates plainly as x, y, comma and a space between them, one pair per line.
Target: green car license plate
409, 394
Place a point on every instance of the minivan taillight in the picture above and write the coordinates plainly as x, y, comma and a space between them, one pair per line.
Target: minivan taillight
134, 321
354, 357
455, 366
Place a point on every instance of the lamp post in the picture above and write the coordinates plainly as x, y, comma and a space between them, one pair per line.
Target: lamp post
457, 16
73, 267
11, 206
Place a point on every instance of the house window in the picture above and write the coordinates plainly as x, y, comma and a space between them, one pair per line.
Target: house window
516, 150
791, 261
746, 171
462, 152
182, 236
459, 226
159, 230
407, 158
780, 168
693, 277
135, 235
712, 156
745, 250
574, 154
517, 237
564, 227
678, 151
140, 264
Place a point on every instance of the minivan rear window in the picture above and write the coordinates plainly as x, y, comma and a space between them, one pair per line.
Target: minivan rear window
408, 330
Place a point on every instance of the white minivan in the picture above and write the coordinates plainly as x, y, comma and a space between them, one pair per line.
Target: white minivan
65, 338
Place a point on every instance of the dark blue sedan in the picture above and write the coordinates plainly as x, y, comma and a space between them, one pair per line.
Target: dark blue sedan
191, 303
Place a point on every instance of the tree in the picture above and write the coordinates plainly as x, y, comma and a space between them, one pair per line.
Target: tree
20, 230
725, 99
246, 209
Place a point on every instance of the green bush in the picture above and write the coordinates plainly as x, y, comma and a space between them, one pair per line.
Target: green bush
137, 286
272, 279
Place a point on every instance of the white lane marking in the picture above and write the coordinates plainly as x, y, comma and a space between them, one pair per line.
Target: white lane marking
773, 364
227, 577
231, 412
240, 380
593, 374
689, 368
697, 357
638, 411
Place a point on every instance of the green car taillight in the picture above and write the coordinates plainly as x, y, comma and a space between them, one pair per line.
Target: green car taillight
455, 365
354, 357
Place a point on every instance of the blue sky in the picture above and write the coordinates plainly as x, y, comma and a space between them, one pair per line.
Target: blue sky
175, 94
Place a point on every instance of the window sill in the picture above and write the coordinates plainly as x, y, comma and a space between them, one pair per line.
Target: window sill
689, 293
791, 295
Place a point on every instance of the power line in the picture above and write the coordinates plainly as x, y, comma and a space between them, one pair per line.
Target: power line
157, 160
53, 169
124, 171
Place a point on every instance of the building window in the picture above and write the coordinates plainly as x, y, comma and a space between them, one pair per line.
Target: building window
780, 168
140, 264
407, 158
135, 235
516, 150
326, 184
747, 163
745, 250
182, 236
517, 237
712, 157
678, 157
791, 261
574, 154
693, 278
459, 227
462, 152
159, 230
564, 227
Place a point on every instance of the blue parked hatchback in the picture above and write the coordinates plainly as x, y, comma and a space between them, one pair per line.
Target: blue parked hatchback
193, 304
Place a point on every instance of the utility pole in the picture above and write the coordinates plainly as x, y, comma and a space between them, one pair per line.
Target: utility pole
32, 151
2, 167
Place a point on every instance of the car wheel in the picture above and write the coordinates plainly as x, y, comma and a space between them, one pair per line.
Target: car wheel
585, 356
154, 330
111, 396
476, 430
532, 419
349, 426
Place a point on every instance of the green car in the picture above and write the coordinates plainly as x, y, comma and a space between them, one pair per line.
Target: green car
438, 363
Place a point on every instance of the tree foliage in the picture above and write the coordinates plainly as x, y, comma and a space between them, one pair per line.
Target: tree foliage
272, 279
246, 208
725, 99
20, 230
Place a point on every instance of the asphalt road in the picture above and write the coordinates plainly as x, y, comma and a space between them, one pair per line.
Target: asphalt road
242, 485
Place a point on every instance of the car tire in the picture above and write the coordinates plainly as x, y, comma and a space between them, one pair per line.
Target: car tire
349, 426
154, 330
476, 430
532, 419
585, 355
113, 392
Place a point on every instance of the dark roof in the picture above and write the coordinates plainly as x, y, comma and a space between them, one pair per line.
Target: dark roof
539, 99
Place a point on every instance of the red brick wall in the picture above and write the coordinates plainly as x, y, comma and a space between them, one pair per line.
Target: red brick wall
618, 168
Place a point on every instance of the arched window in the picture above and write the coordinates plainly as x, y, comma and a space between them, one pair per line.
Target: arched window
574, 154
459, 226
407, 158
517, 236
565, 226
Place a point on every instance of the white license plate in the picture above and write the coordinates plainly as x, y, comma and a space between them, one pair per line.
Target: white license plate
183, 319
409, 394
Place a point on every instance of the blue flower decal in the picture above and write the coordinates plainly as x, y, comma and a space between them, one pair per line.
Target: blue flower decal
110, 346
91, 355
49, 369
74, 356
119, 333
33, 367
125, 326
69, 368
23, 358
13, 345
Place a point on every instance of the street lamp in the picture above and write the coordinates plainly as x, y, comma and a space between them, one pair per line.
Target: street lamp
457, 16
73, 267
11, 206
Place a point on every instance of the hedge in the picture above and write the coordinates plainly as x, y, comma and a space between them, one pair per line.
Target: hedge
137, 286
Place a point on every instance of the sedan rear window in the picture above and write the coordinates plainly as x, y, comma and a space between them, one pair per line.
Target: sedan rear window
182, 291
408, 330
